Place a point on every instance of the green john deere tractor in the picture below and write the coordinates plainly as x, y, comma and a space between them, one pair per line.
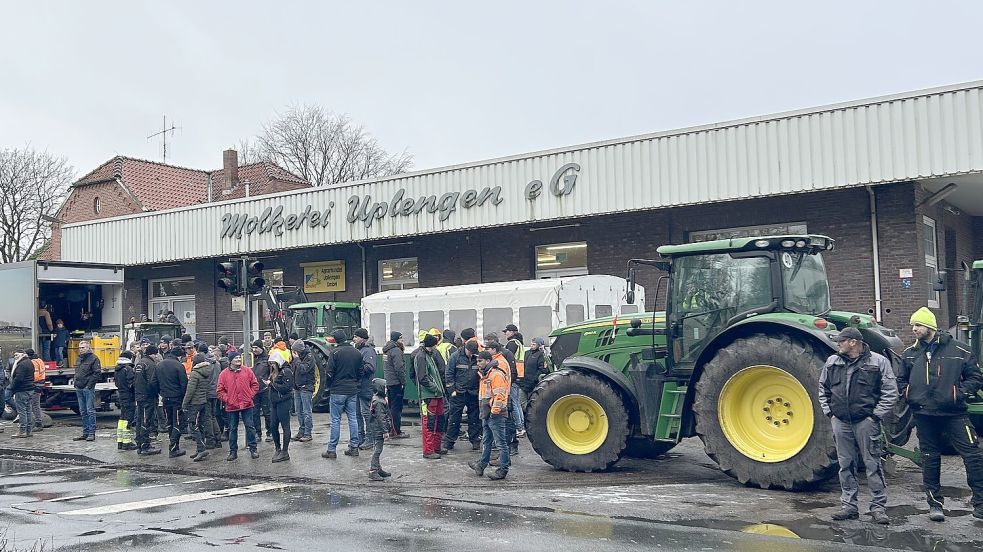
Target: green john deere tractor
735, 360
314, 322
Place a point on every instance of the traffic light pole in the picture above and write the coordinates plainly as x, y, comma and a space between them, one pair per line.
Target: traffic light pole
247, 315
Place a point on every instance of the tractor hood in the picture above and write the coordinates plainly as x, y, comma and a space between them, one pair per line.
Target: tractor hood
623, 322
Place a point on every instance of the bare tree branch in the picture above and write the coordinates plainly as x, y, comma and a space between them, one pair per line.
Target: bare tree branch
323, 148
32, 185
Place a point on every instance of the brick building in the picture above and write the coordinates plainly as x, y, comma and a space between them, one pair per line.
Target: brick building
897, 181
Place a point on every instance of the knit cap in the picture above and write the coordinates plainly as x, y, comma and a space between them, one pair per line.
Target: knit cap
924, 317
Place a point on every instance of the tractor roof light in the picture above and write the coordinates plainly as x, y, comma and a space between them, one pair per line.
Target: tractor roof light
800, 243
788, 243
762, 243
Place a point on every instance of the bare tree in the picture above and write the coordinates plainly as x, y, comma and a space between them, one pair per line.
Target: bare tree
324, 148
32, 186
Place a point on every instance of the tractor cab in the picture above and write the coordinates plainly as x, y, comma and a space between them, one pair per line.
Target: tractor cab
153, 331
971, 324
319, 319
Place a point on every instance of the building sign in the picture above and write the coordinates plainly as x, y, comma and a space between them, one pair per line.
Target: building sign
362, 210
324, 276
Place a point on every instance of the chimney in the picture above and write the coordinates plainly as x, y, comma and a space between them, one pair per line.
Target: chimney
230, 169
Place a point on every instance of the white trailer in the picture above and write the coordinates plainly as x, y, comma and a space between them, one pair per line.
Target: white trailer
537, 307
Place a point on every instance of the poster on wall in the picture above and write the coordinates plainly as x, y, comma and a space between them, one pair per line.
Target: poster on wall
324, 276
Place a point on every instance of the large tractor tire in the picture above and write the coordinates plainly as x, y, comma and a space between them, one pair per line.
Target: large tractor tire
322, 392
757, 414
577, 422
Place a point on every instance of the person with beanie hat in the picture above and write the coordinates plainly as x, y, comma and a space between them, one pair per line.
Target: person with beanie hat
360, 340
145, 397
429, 369
281, 395
196, 402
39, 376
343, 375
304, 368
236, 389
938, 374
261, 369
394, 369
173, 380
127, 403
21, 386
462, 382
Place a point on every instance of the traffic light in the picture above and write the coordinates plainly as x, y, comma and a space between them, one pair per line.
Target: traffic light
254, 277
228, 277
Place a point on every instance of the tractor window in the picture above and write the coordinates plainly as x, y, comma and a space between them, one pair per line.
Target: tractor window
303, 323
575, 314
402, 322
465, 318
347, 320
535, 322
806, 287
628, 309
377, 326
601, 311
431, 319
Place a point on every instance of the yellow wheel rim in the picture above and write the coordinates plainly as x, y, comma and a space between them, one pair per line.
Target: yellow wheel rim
577, 424
317, 380
765, 413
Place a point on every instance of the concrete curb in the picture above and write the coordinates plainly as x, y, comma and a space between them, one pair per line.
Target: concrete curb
32, 453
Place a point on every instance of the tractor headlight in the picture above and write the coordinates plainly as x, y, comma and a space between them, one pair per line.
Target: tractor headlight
788, 243
762, 243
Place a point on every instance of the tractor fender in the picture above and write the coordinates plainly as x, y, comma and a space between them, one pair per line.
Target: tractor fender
609, 374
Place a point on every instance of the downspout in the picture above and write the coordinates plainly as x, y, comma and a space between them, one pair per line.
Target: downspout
360, 246
876, 254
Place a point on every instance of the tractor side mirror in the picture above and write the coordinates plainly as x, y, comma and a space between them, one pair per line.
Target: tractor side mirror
939, 284
635, 323
630, 296
966, 270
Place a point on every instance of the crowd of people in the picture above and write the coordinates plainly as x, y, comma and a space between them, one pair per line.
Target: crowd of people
183, 389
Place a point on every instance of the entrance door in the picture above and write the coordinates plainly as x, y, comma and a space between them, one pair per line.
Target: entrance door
185, 312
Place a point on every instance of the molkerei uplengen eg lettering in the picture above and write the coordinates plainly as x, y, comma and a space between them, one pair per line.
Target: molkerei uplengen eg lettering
365, 210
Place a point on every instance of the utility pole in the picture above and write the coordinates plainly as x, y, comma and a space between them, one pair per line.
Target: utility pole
163, 134
246, 316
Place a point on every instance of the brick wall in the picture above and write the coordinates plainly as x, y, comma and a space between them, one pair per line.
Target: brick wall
80, 206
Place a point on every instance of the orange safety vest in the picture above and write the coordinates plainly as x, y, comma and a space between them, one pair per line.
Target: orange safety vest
188, 366
520, 356
39, 368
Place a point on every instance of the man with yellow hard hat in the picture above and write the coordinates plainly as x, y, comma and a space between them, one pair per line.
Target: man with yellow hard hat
937, 375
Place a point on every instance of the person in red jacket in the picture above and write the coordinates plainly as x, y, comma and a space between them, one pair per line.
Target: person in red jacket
236, 389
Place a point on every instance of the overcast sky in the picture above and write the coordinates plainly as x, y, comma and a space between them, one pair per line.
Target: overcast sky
451, 82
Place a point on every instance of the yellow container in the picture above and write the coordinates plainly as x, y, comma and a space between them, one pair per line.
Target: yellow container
105, 348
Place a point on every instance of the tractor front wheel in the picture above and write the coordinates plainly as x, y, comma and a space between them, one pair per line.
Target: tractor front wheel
757, 415
576, 422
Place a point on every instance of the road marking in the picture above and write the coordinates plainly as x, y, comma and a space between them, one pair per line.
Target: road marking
45, 472
115, 491
171, 500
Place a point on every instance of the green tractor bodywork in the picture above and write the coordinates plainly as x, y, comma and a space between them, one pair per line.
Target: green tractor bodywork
735, 360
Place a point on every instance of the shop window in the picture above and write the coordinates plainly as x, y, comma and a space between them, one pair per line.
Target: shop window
600, 311
747, 231
460, 319
629, 309
399, 274
535, 322
931, 245
377, 327
494, 320
175, 295
575, 313
431, 319
561, 259
402, 322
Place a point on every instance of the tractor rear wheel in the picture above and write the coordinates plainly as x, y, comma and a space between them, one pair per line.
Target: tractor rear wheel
577, 422
757, 415
322, 392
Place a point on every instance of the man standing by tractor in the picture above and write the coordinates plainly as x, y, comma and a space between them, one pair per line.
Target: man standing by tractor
857, 388
428, 368
937, 375
344, 371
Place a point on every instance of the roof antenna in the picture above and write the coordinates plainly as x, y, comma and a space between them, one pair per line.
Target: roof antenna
163, 134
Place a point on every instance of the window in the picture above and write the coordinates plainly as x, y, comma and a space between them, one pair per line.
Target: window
600, 311
262, 316
402, 322
561, 259
399, 274
175, 295
535, 322
460, 319
431, 319
931, 246
96, 206
172, 287
575, 313
746, 231
495, 319
377, 326
629, 309
806, 287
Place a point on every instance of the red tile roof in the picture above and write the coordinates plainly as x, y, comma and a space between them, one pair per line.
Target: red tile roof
158, 186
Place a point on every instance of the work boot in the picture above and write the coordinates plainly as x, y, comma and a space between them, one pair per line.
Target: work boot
129, 446
935, 513
200, 456
276, 457
90, 437
329, 455
305, 439
299, 436
432, 456
495, 461
880, 516
478, 468
38, 427
497, 474
176, 452
845, 514
225, 435
401, 435
514, 450
253, 454
475, 446
443, 451
366, 446
978, 512
119, 445
148, 451
384, 473
20, 435
211, 444
80, 437
375, 476
232, 456
351, 451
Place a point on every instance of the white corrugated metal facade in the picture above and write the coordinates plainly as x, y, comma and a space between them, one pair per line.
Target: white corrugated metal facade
930, 133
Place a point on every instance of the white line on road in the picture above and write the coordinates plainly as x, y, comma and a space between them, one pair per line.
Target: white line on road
45, 472
115, 491
170, 500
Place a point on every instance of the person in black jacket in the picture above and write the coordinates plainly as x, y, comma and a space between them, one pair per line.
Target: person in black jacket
22, 385
938, 374
281, 384
127, 405
462, 385
394, 369
173, 381
303, 368
535, 368
261, 369
380, 424
344, 372
145, 396
88, 372
213, 432
360, 341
